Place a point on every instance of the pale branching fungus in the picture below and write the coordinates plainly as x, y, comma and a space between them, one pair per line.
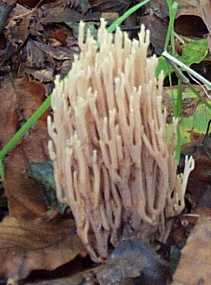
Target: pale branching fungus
112, 162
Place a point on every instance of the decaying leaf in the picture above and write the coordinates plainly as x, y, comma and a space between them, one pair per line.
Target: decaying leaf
36, 244
56, 53
17, 29
108, 5
131, 263
195, 263
205, 6
24, 195
8, 114
18, 100
5, 9
154, 18
189, 20
200, 178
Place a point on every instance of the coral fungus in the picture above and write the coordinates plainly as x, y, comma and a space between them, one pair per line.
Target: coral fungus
112, 163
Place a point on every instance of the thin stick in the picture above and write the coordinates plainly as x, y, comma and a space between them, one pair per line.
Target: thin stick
187, 69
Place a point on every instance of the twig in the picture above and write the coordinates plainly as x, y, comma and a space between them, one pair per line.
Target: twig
186, 68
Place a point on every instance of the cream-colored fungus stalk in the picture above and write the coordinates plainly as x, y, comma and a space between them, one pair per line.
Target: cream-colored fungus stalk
112, 163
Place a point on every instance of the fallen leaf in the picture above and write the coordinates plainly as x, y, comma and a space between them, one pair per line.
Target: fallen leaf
5, 10
205, 6
18, 100
28, 3
59, 53
109, 5
60, 14
195, 263
36, 244
154, 19
25, 196
43, 75
200, 178
59, 35
8, 114
17, 29
132, 262
189, 20
35, 56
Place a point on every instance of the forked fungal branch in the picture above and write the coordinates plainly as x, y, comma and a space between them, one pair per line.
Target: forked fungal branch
112, 162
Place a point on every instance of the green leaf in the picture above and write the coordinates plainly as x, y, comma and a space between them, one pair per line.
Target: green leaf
164, 66
186, 126
201, 118
196, 123
194, 51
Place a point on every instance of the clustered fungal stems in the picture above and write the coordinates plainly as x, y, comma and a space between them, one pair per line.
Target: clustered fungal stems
112, 162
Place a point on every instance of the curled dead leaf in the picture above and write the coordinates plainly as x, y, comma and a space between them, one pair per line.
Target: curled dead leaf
36, 244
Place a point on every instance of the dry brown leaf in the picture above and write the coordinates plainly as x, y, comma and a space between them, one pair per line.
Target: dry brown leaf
108, 5
28, 3
205, 6
24, 195
8, 114
26, 243
189, 20
188, 7
17, 102
17, 29
200, 178
195, 263
59, 53
32, 245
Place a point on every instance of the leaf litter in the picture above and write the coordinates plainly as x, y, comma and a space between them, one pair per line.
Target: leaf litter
35, 45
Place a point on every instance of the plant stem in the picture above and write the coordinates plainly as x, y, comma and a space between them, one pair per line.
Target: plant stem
172, 15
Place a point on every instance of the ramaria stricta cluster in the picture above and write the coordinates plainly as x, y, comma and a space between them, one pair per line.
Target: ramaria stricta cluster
112, 163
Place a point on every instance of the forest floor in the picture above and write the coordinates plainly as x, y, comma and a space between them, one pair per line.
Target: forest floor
38, 240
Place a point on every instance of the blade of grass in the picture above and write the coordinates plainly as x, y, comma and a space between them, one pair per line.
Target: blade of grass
172, 6
178, 115
128, 13
46, 104
169, 43
22, 131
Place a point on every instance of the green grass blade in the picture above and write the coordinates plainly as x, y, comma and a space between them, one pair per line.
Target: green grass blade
172, 15
22, 131
128, 13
